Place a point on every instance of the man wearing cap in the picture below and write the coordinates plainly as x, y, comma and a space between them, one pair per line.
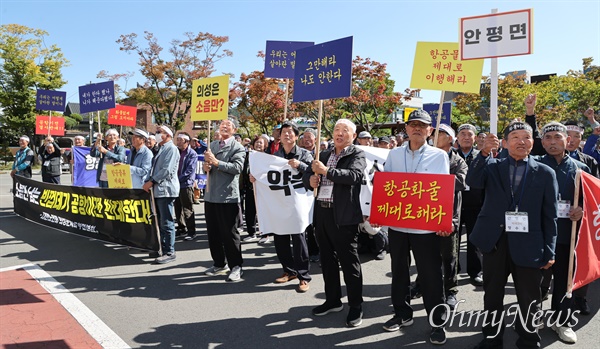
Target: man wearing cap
590, 145
23, 159
472, 199
554, 140
516, 230
50, 154
140, 158
276, 142
108, 155
384, 142
364, 138
186, 172
416, 156
310, 138
165, 184
152, 145
224, 161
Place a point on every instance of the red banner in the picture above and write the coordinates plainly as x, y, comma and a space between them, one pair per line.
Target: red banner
588, 244
122, 115
43, 124
413, 200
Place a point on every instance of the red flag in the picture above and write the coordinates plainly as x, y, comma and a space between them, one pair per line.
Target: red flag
588, 245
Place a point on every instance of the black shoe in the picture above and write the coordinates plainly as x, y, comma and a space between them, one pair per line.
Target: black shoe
381, 255
545, 294
354, 317
581, 305
476, 280
451, 301
489, 344
415, 292
395, 323
190, 237
437, 336
154, 254
327, 308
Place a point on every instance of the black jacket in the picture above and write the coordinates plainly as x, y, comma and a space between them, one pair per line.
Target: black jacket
347, 179
459, 168
51, 162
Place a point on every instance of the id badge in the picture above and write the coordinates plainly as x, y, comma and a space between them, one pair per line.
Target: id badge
564, 206
516, 222
46, 163
325, 192
467, 188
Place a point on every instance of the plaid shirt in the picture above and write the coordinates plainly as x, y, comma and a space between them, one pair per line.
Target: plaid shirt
332, 162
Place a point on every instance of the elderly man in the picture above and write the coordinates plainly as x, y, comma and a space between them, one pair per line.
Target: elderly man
384, 142
364, 138
23, 159
338, 175
554, 141
79, 141
416, 156
109, 155
152, 145
184, 205
50, 154
140, 158
310, 138
590, 145
224, 161
516, 229
165, 187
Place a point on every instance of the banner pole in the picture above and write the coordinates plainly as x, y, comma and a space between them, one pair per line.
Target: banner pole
208, 147
573, 237
285, 105
99, 130
439, 119
155, 218
318, 145
494, 94
49, 121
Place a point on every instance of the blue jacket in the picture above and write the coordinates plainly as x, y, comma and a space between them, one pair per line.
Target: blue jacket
164, 171
539, 199
118, 155
590, 147
23, 161
141, 166
187, 172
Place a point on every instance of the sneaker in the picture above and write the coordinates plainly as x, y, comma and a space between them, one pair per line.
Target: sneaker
381, 255
327, 308
214, 270
437, 336
265, 239
285, 278
476, 281
565, 333
581, 305
190, 237
251, 238
236, 274
166, 258
415, 292
354, 317
395, 323
302, 286
451, 301
315, 258
154, 254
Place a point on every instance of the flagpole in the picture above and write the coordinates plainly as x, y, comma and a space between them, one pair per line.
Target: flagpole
49, 121
285, 105
318, 145
573, 236
439, 119
208, 147
155, 219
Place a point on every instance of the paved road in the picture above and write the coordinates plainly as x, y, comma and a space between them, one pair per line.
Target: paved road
175, 305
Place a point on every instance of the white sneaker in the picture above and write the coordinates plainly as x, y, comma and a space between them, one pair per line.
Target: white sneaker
265, 239
565, 333
212, 271
236, 274
252, 238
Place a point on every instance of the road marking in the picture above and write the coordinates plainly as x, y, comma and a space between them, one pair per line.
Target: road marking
106, 337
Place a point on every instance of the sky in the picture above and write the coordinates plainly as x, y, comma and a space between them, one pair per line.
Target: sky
385, 31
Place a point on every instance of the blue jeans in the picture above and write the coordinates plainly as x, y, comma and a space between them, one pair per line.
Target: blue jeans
166, 223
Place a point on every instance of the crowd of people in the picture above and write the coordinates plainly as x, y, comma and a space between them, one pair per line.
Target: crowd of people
529, 175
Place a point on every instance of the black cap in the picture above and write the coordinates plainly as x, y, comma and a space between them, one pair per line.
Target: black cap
384, 139
292, 125
419, 115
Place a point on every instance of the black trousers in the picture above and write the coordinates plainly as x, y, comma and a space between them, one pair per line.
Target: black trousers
294, 258
184, 211
449, 252
428, 259
338, 244
223, 236
311, 241
497, 266
469, 217
250, 212
562, 305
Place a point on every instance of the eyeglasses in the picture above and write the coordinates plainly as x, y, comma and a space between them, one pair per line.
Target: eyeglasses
159, 131
417, 124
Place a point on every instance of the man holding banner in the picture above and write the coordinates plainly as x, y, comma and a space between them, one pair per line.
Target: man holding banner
416, 156
108, 155
140, 158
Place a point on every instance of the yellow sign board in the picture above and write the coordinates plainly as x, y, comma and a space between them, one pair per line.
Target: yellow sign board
438, 66
119, 176
210, 98
407, 112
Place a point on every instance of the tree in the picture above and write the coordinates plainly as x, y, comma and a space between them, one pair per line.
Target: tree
168, 87
26, 64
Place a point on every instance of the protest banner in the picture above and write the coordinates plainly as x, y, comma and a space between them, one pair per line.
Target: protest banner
413, 200
283, 205
122, 115
96, 97
280, 58
47, 125
119, 176
85, 167
50, 100
122, 216
210, 98
433, 110
375, 159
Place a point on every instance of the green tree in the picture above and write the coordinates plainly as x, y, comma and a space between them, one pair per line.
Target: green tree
168, 87
26, 64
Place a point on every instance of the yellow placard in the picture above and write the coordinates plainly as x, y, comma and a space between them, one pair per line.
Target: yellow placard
438, 66
210, 98
407, 112
119, 176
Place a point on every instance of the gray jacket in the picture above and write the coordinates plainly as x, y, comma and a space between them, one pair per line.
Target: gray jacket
141, 166
164, 171
223, 181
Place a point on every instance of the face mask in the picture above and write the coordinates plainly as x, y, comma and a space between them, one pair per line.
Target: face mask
159, 137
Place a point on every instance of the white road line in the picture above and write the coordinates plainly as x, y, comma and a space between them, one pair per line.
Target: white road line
106, 337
